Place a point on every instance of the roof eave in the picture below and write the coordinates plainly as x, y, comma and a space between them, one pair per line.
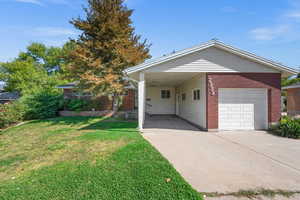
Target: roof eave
291, 87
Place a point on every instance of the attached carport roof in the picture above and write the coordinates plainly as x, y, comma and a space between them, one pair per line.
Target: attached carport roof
212, 43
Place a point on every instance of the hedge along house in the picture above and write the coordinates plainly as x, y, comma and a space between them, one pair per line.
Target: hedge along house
102, 103
213, 86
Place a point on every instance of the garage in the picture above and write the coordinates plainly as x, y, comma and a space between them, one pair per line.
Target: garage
243, 109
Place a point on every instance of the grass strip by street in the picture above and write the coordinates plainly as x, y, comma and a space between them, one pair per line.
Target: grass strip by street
254, 193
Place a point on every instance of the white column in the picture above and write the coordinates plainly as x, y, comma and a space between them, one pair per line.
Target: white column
141, 100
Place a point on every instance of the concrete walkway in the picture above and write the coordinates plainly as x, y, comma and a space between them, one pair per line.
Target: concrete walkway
227, 161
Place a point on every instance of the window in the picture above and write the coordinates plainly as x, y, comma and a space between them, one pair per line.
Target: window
183, 96
196, 94
165, 94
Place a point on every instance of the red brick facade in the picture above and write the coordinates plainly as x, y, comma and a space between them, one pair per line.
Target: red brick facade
128, 101
271, 81
105, 103
293, 101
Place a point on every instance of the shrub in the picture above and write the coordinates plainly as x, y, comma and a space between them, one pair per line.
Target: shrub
11, 113
42, 104
76, 104
289, 128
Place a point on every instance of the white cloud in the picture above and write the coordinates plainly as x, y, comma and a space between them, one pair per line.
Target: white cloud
293, 14
51, 31
44, 2
37, 2
270, 33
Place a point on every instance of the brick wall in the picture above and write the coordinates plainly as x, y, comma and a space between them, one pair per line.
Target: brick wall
128, 101
104, 102
271, 81
293, 101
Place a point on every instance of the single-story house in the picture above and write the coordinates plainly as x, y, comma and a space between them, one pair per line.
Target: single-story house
214, 86
6, 97
129, 100
293, 99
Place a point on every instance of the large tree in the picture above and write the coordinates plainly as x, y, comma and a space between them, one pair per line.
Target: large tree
108, 45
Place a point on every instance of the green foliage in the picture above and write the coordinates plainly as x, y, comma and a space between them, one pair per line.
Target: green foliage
39, 67
289, 81
25, 76
11, 113
289, 127
107, 46
75, 104
42, 104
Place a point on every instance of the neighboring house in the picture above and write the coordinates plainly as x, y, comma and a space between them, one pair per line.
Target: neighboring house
105, 103
6, 97
293, 99
213, 86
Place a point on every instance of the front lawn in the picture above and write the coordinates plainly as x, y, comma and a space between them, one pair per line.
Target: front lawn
84, 158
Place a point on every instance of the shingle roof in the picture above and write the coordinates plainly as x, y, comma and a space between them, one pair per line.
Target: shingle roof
74, 84
68, 86
9, 96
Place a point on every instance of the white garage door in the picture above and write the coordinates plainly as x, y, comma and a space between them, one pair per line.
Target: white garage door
243, 109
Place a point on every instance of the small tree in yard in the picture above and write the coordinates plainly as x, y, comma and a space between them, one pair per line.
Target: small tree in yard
107, 46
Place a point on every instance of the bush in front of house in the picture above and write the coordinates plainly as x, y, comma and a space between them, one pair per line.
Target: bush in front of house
11, 113
42, 104
289, 128
75, 104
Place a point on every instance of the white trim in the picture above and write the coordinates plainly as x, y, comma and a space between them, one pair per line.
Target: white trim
141, 101
291, 87
212, 43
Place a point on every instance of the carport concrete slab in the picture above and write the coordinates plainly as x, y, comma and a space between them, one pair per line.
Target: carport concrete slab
229, 161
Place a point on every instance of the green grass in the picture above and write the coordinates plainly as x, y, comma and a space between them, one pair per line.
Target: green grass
82, 159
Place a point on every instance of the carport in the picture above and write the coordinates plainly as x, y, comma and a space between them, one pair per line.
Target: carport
167, 123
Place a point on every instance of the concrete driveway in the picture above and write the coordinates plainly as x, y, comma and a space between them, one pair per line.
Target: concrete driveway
227, 161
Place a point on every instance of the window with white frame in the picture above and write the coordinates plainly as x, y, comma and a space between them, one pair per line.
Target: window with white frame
196, 94
165, 94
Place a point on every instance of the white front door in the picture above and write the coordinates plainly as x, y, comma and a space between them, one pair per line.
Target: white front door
243, 109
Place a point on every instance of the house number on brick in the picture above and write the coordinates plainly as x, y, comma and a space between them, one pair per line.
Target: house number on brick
211, 87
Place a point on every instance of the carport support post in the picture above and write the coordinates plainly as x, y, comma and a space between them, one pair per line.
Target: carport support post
141, 94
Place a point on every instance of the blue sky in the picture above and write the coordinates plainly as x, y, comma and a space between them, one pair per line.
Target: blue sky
268, 28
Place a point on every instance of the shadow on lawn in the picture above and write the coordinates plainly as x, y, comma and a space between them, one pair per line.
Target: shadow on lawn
90, 123
111, 126
72, 121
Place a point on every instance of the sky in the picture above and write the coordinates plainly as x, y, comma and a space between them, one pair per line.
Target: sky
268, 28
